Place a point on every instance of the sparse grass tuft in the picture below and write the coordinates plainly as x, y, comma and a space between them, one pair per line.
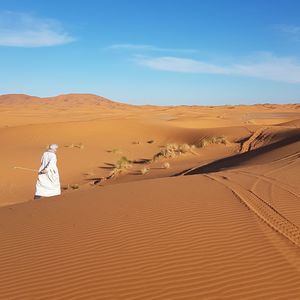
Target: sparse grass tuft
80, 146
115, 151
70, 186
70, 146
145, 170
166, 165
173, 150
121, 166
74, 186
123, 162
167, 151
184, 148
209, 140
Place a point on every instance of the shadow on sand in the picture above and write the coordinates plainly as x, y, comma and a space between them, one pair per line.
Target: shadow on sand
236, 160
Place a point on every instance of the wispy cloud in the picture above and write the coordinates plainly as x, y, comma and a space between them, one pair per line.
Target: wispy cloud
264, 66
26, 30
149, 48
177, 64
290, 31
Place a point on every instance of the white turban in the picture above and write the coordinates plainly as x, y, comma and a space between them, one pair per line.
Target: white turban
53, 147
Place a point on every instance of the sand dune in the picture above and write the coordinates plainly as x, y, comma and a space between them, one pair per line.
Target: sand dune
131, 242
222, 222
67, 99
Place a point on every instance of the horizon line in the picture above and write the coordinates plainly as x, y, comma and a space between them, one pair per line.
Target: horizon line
149, 104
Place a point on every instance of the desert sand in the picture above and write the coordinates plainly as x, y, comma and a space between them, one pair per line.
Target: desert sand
217, 221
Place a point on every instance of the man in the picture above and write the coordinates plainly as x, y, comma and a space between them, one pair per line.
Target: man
48, 184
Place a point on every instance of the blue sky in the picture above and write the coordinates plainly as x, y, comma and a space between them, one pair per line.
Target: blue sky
159, 51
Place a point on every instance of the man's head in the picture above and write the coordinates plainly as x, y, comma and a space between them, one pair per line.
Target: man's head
53, 147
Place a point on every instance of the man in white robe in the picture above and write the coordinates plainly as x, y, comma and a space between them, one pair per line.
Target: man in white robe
48, 184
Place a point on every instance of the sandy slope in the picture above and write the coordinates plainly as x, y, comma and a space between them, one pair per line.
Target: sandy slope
175, 238
222, 223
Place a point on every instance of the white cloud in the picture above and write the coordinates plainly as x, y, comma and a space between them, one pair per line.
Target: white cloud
176, 64
290, 31
149, 48
264, 66
26, 30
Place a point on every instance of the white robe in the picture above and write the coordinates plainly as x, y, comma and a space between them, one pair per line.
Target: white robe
48, 184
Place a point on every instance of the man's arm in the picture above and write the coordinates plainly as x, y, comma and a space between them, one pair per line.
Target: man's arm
44, 171
51, 162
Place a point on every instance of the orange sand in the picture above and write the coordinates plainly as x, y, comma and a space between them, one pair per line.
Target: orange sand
222, 222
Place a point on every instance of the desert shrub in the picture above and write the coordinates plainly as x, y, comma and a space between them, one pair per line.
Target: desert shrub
209, 140
115, 151
166, 165
167, 151
184, 148
80, 146
172, 150
74, 186
145, 170
70, 146
123, 163
121, 166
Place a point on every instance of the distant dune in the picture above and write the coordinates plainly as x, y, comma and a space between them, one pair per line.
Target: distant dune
67, 99
209, 207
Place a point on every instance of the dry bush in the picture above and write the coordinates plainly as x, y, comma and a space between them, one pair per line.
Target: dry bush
166, 165
173, 150
73, 186
115, 151
145, 170
184, 148
209, 140
121, 166
167, 151
70, 146
80, 146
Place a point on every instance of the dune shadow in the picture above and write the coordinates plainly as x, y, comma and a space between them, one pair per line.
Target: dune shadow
95, 180
238, 159
108, 166
135, 173
141, 161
